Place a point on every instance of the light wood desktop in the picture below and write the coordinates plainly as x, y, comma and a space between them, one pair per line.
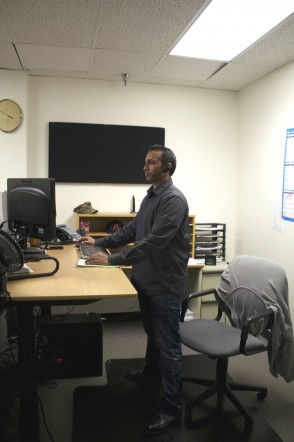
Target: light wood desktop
70, 285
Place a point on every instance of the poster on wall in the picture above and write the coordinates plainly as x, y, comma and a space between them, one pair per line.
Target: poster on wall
288, 180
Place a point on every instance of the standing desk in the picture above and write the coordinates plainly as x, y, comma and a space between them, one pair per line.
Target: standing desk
70, 285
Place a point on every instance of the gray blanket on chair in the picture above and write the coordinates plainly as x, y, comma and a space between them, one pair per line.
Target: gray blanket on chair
261, 284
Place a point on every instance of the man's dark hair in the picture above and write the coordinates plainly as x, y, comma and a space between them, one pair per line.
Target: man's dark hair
167, 156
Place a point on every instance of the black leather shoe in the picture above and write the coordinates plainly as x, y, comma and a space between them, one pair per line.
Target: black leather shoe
134, 376
137, 376
160, 424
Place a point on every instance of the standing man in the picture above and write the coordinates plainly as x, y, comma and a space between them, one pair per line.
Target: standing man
159, 259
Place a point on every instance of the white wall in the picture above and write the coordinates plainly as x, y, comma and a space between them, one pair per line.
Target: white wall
203, 127
230, 149
200, 127
266, 110
13, 145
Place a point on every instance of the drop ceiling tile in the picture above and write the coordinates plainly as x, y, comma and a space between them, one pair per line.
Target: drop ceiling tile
51, 22
141, 25
174, 81
185, 68
59, 74
8, 57
274, 49
53, 57
234, 76
101, 39
111, 64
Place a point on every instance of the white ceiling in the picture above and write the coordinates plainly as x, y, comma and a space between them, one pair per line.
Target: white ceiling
101, 39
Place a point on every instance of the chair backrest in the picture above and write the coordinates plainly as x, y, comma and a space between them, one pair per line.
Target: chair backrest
250, 285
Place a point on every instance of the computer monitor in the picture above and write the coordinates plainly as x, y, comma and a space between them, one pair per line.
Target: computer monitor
31, 209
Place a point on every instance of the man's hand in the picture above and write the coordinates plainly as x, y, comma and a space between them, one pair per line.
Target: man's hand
98, 259
86, 239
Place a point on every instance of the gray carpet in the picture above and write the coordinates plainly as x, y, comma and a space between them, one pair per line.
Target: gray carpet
117, 411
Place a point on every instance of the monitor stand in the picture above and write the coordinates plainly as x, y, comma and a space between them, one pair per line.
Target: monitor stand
23, 236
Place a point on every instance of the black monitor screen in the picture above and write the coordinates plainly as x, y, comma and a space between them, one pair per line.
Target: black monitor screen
31, 208
98, 153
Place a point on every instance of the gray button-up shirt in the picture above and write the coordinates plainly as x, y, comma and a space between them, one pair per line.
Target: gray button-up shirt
161, 237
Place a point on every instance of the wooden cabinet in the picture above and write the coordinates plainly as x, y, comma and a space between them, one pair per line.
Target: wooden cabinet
96, 224
192, 235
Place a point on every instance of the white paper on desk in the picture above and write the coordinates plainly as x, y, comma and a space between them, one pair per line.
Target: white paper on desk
23, 269
82, 263
193, 261
208, 247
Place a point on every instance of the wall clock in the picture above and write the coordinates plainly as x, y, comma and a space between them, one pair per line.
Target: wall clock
10, 115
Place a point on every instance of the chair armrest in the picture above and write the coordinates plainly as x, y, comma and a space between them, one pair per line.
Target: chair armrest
246, 328
35, 257
188, 298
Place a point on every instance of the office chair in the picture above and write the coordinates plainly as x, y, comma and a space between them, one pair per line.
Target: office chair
245, 288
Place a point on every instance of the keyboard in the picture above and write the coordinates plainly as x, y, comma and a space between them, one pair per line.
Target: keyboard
88, 250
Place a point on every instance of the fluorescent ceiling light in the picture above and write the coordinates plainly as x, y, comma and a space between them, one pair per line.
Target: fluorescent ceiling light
227, 27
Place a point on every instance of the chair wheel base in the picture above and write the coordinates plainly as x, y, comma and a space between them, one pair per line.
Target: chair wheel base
261, 395
248, 426
188, 419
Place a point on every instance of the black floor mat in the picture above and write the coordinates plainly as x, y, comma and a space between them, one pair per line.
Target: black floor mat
116, 412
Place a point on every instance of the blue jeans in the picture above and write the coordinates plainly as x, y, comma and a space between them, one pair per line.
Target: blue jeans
161, 322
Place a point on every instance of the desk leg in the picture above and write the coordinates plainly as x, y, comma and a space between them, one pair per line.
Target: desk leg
29, 411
